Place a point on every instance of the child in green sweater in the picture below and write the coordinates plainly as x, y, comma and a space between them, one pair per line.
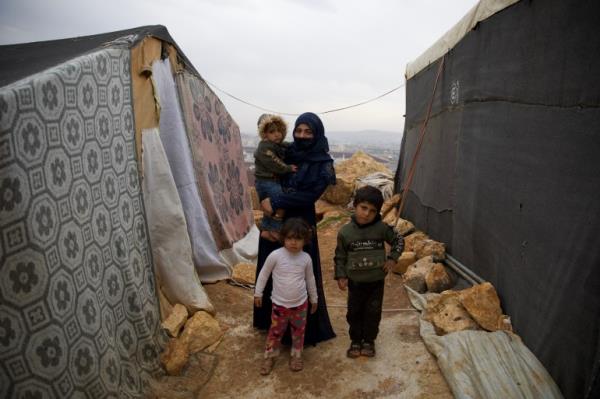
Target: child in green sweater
361, 265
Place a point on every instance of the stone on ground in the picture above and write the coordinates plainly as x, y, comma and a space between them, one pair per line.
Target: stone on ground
429, 247
447, 314
483, 304
341, 192
438, 279
415, 274
175, 320
175, 356
391, 217
412, 239
404, 261
244, 273
201, 331
404, 227
389, 204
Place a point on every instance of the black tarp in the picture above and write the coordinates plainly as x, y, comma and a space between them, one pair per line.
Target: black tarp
509, 173
21, 60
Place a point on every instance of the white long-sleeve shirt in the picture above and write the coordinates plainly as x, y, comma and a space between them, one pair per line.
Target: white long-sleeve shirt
293, 278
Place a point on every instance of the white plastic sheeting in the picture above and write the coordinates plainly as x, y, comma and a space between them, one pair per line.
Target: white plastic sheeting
380, 180
480, 364
171, 250
211, 264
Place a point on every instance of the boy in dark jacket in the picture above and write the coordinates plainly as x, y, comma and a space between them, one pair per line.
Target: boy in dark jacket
269, 168
361, 265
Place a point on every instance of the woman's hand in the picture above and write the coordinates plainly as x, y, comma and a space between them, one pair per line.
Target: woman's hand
313, 308
266, 206
258, 301
342, 283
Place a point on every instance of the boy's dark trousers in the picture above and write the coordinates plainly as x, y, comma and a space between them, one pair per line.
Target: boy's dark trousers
364, 310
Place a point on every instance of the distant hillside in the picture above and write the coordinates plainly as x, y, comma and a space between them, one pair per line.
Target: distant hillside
377, 138
372, 137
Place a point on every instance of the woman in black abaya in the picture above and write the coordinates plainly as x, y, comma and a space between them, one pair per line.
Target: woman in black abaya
310, 152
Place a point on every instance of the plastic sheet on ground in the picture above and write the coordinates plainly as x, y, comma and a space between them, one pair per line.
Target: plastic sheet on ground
380, 180
480, 364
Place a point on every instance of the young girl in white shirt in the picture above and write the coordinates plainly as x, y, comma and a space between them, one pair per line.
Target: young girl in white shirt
293, 284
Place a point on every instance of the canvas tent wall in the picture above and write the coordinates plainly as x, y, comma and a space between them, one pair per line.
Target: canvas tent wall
508, 175
82, 213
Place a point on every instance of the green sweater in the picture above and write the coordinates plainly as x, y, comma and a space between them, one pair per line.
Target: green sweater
268, 160
360, 251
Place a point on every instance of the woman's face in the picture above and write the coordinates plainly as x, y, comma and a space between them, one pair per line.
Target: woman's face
303, 132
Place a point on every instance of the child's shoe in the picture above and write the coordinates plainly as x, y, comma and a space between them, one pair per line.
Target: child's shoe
354, 350
368, 349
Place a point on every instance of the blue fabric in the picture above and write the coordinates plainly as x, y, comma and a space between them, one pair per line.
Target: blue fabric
267, 189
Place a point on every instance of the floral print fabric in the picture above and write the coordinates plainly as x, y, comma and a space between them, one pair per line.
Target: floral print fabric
218, 162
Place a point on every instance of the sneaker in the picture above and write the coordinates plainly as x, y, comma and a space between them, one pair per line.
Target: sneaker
354, 350
367, 349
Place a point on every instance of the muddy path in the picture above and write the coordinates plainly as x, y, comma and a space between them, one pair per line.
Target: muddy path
403, 368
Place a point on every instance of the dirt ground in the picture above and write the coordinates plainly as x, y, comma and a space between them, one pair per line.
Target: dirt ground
403, 368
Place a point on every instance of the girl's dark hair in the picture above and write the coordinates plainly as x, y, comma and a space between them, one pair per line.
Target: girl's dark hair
369, 194
296, 228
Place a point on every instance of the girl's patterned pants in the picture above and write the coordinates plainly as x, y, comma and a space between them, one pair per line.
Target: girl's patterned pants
280, 318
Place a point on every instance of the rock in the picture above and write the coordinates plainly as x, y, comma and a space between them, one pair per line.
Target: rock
258, 215
429, 247
175, 356
404, 227
360, 165
334, 214
200, 331
404, 261
414, 277
438, 279
176, 320
254, 199
391, 217
165, 306
483, 304
412, 239
322, 207
340, 193
389, 204
447, 314
244, 273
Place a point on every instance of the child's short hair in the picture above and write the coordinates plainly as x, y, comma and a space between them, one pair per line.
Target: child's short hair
296, 228
369, 194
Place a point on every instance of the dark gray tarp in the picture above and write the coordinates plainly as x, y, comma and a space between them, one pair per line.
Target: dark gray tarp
509, 173
25, 59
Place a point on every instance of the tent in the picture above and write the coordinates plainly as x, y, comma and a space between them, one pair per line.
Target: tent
120, 183
508, 173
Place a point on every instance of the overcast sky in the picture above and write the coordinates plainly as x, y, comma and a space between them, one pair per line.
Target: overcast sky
288, 55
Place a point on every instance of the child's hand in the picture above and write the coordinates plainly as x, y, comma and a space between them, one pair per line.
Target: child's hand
342, 283
389, 265
258, 301
294, 168
313, 308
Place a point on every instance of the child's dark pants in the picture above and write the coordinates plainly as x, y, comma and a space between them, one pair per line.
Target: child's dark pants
364, 310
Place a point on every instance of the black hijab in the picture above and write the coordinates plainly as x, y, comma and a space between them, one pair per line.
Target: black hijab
312, 150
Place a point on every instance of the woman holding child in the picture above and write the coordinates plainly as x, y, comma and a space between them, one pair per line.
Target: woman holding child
309, 153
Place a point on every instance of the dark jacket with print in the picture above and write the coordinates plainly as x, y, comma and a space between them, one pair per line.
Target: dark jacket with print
268, 160
360, 251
